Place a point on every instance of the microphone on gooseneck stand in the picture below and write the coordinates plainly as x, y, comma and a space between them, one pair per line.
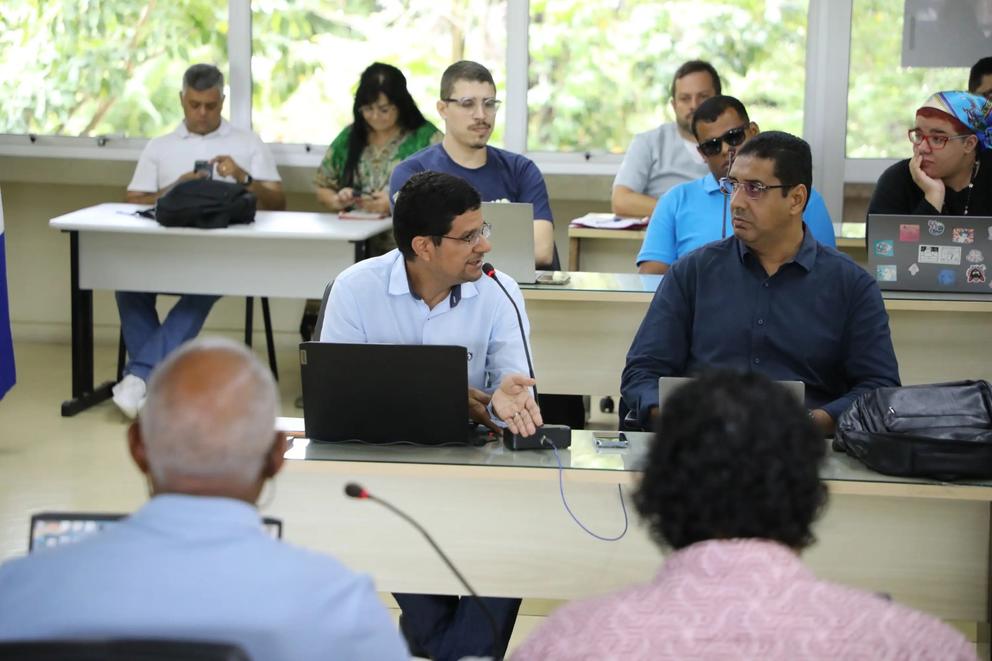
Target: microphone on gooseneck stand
546, 436
726, 198
353, 490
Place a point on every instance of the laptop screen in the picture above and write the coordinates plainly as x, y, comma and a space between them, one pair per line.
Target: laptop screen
50, 529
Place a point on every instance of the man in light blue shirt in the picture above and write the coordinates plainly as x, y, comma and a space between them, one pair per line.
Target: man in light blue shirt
430, 290
695, 213
194, 562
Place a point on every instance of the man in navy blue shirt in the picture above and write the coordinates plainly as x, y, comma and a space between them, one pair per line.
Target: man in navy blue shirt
768, 299
468, 105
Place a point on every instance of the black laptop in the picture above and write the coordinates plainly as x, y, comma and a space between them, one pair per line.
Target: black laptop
386, 393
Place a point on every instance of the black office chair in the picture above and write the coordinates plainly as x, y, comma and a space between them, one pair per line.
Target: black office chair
249, 314
121, 650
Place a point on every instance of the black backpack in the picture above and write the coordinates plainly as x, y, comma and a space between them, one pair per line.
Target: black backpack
941, 431
206, 204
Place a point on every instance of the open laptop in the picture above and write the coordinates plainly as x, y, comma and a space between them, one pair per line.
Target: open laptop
669, 384
931, 253
512, 239
48, 529
386, 393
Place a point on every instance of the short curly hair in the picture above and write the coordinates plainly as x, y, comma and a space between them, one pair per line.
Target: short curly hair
734, 456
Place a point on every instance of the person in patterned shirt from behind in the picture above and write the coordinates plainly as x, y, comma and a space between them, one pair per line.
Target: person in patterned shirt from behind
734, 586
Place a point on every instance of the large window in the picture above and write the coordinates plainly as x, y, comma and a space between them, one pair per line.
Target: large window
307, 56
600, 71
102, 67
883, 94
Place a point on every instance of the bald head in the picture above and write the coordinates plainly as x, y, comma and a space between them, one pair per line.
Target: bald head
208, 424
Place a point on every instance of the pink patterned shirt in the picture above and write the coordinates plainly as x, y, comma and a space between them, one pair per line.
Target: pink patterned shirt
741, 599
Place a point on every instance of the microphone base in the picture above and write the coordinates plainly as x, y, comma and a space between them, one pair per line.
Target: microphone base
547, 436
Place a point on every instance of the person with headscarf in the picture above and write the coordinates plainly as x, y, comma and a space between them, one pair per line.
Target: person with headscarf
950, 172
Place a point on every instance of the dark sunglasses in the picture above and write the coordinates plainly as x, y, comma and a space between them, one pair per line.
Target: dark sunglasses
733, 138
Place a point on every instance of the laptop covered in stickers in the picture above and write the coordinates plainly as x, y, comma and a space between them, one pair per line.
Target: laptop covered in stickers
950, 254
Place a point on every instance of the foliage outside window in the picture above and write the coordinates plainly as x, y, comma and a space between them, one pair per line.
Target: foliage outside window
600, 71
307, 56
102, 67
882, 94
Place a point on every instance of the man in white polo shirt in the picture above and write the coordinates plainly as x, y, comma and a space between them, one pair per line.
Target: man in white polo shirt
229, 154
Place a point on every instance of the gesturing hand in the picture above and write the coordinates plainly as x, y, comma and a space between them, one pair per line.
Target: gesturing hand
477, 403
515, 406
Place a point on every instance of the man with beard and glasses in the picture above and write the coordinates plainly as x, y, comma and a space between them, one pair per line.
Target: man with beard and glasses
468, 105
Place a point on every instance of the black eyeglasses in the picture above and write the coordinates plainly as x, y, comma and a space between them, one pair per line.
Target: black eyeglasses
471, 238
733, 138
753, 189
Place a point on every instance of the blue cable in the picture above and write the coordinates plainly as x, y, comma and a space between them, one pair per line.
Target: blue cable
564, 501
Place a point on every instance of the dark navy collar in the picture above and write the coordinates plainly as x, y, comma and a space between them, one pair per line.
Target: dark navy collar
806, 257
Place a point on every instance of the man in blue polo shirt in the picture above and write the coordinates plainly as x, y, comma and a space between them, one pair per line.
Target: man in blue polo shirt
696, 213
769, 298
468, 105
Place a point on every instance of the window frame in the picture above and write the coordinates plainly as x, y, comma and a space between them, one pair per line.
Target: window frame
825, 108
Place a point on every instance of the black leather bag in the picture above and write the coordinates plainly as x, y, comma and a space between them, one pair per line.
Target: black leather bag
206, 204
941, 431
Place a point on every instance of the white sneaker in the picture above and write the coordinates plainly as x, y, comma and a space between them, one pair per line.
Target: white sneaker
129, 395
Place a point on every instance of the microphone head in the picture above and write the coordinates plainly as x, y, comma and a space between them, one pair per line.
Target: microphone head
353, 490
489, 270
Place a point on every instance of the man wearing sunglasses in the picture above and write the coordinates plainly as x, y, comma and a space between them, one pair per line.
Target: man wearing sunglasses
665, 156
769, 298
950, 172
695, 213
468, 106
430, 290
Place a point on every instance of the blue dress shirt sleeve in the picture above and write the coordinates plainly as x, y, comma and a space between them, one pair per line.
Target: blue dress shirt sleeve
817, 219
660, 240
660, 347
505, 354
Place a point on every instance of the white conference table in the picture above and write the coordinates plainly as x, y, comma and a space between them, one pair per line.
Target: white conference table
594, 249
499, 515
282, 254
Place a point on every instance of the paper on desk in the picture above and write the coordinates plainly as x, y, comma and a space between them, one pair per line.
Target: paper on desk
609, 221
358, 214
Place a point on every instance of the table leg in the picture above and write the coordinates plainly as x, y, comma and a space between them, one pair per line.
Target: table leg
573, 254
84, 395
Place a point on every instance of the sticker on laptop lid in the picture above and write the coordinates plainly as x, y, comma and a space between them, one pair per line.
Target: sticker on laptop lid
974, 256
935, 227
963, 235
930, 254
976, 274
910, 233
885, 272
885, 248
913, 269
947, 277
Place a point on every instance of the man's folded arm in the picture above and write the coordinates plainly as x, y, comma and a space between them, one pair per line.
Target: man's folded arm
660, 348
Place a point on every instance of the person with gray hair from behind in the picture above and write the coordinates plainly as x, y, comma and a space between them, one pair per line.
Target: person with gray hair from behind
194, 562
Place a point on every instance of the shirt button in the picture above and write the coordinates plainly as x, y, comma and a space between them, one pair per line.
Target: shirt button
757, 361
761, 322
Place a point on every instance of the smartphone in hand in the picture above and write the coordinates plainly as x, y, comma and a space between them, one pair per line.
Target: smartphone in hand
204, 166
